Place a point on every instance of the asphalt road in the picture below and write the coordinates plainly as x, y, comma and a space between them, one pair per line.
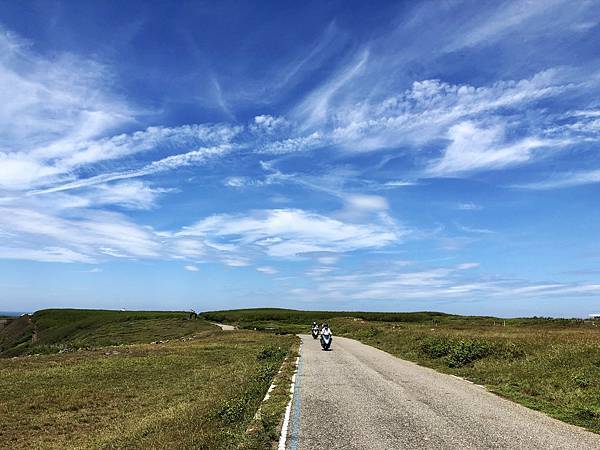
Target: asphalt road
358, 397
224, 327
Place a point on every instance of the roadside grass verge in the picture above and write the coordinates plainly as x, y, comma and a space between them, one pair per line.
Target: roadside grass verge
188, 393
264, 430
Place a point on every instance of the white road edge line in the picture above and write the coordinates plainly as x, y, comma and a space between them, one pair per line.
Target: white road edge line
468, 381
288, 409
268, 394
461, 378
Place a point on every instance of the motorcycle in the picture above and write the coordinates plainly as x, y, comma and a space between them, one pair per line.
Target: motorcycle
315, 332
326, 341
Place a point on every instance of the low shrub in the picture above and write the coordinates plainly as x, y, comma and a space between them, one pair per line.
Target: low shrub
266, 373
371, 332
271, 353
587, 413
457, 353
509, 351
581, 381
466, 352
233, 410
436, 347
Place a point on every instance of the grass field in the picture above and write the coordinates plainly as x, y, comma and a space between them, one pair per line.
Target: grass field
552, 365
293, 321
199, 387
55, 330
199, 392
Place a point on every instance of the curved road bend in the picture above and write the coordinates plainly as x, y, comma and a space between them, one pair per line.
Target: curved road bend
224, 327
358, 397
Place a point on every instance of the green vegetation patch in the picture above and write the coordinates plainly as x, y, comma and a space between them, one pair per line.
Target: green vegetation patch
60, 330
188, 393
290, 321
16, 336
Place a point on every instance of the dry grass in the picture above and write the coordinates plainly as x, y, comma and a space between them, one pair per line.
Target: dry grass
172, 395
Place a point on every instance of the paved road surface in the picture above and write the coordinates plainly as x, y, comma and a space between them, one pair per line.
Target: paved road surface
224, 327
358, 397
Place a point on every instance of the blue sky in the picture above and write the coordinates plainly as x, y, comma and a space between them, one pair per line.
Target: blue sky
319, 155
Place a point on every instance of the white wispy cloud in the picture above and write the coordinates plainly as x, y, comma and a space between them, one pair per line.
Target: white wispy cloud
399, 183
267, 270
294, 144
235, 261
51, 97
431, 110
49, 103
191, 268
565, 180
523, 17
366, 202
60, 115
474, 148
85, 236
328, 259
128, 194
469, 206
431, 107
460, 281
316, 106
467, 229
319, 271
266, 123
288, 233
173, 162
44, 254
59, 123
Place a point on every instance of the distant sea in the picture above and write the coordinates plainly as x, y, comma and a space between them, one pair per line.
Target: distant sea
11, 313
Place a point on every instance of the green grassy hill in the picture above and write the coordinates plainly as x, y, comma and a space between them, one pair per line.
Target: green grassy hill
294, 321
16, 337
54, 330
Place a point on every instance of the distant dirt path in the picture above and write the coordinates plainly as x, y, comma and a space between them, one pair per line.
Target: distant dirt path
358, 397
34, 330
224, 327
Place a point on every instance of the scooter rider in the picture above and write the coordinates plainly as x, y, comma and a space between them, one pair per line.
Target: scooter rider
314, 330
326, 337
